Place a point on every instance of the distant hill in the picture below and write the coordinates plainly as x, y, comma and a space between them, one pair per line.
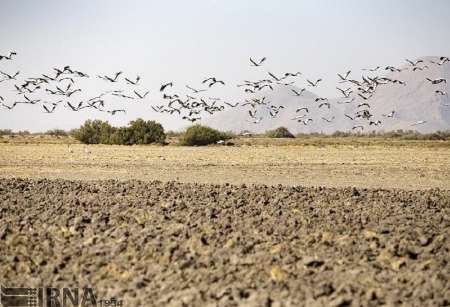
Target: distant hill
413, 102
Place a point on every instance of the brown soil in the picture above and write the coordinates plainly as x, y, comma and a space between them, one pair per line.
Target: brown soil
174, 244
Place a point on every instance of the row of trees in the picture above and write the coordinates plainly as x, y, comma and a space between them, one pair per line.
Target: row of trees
148, 132
140, 132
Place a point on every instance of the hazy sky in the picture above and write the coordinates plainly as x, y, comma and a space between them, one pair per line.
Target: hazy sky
185, 41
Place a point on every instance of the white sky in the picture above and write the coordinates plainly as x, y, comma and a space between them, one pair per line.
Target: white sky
185, 41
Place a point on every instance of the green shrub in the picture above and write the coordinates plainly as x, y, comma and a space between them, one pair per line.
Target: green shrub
6, 132
138, 132
280, 132
57, 132
145, 132
199, 135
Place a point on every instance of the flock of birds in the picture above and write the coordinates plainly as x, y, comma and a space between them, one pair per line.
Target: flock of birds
60, 86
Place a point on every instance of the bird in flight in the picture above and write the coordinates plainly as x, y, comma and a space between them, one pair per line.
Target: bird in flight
297, 93
420, 68
414, 63
372, 69
441, 93
328, 120
135, 82
141, 96
110, 79
257, 63
346, 101
390, 115
232, 105
345, 76
195, 91
164, 86
437, 81
47, 110
420, 122
314, 84
9, 56
212, 81
113, 112
10, 77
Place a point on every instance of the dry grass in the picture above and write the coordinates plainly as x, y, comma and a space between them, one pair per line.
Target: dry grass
309, 162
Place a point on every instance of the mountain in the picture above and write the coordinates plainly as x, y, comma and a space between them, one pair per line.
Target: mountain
413, 102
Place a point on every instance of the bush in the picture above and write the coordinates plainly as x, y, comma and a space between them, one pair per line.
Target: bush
145, 132
6, 132
281, 132
199, 135
56, 132
138, 132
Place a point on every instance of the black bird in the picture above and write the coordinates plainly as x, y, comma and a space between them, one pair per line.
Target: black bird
328, 120
290, 74
254, 63
302, 109
442, 93
141, 96
358, 127
191, 119
122, 96
133, 82
110, 79
390, 115
68, 94
77, 108
345, 92
414, 63
365, 104
392, 69
345, 76
306, 121
297, 93
320, 99
350, 117
66, 78
47, 110
164, 86
113, 112
375, 123
314, 84
346, 101
327, 104
442, 61
195, 91
372, 69
10, 77
212, 81
437, 81
274, 77
231, 105
420, 68
8, 57
364, 97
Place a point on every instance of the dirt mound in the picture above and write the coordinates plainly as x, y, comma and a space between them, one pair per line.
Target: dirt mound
172, 244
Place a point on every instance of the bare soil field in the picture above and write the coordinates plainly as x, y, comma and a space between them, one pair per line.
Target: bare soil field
314, 222
188, 244
330, 162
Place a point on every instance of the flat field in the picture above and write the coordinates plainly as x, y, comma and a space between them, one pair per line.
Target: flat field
371, 163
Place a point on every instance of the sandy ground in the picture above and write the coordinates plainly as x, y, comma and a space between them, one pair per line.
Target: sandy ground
405, 167
174, 244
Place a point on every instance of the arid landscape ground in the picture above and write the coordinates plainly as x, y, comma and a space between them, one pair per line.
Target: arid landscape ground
304, 222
